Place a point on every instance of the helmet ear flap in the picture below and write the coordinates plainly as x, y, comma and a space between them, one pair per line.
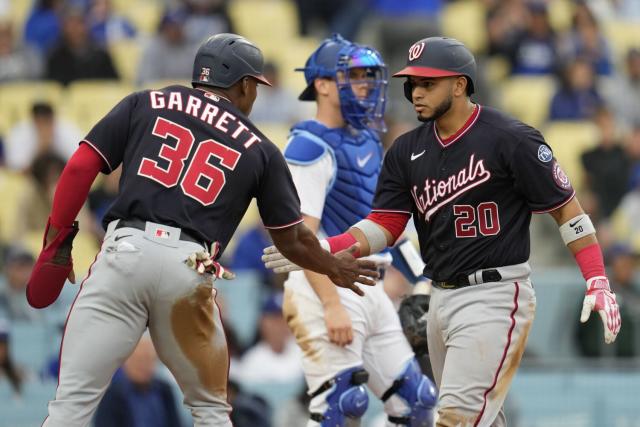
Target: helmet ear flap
408, 88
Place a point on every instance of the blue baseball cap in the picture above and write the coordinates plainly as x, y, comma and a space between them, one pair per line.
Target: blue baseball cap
322, 64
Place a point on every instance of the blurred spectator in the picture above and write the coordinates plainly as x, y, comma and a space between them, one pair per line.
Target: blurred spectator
8, 367
589, 335
276, 103
247, 255
18, 263
77, 56
577, 98
276, 357
534, 51
506, 22
249, 410
169, 55
295, 412
42, 133
35, 202
606, 166
136, 396
633, 152
16, 62
100, 199
105, 26
42, 28
623, 91
205, 18
334, 16
585, 40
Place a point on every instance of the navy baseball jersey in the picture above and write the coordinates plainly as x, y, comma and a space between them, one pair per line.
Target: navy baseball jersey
191, 159
472, 195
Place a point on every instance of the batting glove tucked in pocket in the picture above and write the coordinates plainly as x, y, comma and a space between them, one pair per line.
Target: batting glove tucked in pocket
204, 262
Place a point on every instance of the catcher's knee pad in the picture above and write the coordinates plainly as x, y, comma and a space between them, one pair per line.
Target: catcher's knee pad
418, 393
347, 397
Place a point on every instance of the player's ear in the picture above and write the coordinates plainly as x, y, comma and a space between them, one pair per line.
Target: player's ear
321, 86
245, 85
460, 86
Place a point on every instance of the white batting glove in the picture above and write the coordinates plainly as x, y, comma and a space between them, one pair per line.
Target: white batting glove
600, 298
274, 260
203, 262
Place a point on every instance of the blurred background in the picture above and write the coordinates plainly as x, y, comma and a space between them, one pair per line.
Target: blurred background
570, 68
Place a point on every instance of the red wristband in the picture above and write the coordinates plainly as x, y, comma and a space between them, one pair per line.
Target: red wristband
590, 261
341, 242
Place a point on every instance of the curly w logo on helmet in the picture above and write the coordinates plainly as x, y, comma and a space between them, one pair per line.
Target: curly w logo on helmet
415, 51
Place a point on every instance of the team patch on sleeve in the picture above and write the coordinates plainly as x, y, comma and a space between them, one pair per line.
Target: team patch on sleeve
545, 154
561, 179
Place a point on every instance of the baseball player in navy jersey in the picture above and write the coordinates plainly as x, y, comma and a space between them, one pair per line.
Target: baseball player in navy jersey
335, 160
471, 177
192, 161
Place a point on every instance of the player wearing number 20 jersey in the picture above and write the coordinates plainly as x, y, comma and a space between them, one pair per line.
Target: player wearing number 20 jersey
472, 194
197, 146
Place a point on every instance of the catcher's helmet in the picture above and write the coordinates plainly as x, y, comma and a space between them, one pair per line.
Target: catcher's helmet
336, 56
224, 59
438, 57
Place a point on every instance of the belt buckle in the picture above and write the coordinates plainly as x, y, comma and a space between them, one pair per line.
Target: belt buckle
446, 285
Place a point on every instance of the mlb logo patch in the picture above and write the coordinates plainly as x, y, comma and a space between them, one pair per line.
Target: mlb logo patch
162, 234
205, 72
545, 154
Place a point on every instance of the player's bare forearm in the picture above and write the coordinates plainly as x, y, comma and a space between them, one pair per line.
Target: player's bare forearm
566, 213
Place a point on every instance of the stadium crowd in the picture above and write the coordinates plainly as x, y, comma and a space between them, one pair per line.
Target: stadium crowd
569, 67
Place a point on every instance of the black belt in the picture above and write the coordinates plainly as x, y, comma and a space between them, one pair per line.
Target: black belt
462, 280
142, 225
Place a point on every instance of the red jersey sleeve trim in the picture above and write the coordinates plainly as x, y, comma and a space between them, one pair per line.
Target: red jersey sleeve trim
278, 227
393, 222
573, 194
90, 144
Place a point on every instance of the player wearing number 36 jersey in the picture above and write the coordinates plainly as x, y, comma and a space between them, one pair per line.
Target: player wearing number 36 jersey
191, 163
471, 177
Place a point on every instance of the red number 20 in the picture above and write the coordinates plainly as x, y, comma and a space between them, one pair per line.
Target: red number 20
199, 168
488, 220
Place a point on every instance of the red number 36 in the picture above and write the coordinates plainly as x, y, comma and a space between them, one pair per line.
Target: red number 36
199, 167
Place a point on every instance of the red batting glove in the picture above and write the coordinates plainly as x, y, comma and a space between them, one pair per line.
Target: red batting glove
600, 298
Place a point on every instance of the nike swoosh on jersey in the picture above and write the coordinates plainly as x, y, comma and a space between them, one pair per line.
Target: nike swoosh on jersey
415, 156
363, 161
115, 239
573, 224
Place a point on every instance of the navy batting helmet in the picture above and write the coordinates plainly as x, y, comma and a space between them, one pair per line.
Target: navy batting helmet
224, 59
438, 57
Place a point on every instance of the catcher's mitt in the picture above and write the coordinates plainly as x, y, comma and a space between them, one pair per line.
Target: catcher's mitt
413, 318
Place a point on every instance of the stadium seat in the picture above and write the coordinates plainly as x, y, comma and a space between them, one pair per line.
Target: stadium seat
561, 14
262, 20
143, 14
465, 20
17, 98
277, 133
12, 186
528, 98
31, 344
568, 141
622, 36
28, 410
88, 101
126, 56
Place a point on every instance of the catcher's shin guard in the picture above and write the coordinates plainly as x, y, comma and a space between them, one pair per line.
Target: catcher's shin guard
347, 397
419, 394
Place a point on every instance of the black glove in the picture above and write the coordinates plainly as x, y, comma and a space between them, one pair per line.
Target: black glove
413, 318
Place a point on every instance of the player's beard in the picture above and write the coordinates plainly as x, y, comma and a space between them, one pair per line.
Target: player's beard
439, 111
